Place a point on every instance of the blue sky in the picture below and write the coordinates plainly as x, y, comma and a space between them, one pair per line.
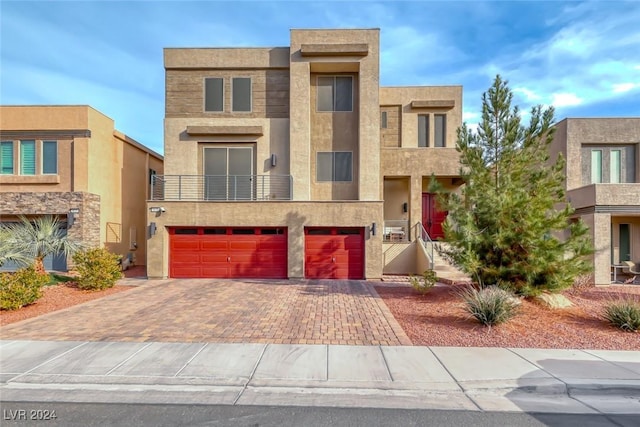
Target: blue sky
581, 57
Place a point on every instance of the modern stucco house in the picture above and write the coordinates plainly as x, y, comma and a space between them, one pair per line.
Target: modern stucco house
71, 162
603, 185
292, 162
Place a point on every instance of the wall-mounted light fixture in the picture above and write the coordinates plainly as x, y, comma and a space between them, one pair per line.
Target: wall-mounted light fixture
273, 160
157, 210
373, 229
152, 229
405, 207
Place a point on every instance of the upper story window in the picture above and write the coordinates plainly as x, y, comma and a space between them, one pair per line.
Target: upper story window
423, 130
214, 94
440, 129
6, 157
608, 164
27, 157
31, 156
334, 166
383, 120
335, 93
50, 157
241, 94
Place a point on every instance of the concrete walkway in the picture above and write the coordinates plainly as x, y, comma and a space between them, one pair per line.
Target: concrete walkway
483, 379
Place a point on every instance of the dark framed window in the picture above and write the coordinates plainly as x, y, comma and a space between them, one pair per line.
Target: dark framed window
423, 130
49, 157
28, 157
241, 94
440, 129
383, 120
335, 93
214, 94
6, 157
334, 166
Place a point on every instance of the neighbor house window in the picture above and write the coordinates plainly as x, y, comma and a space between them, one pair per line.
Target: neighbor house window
28, 157
596, 166
335, 93
383, 120
440, 129
214, 94
6, 158
241, 94
614, 166
334, 166
49, 157
423, 130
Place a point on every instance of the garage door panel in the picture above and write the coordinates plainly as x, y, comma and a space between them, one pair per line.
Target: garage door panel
336, 253
233, 254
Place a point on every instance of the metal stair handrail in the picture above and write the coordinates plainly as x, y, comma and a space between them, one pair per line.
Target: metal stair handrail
424, 239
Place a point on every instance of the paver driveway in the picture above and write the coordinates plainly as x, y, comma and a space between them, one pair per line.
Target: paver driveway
200, 310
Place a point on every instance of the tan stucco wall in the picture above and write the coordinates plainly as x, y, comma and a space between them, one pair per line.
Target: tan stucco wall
404, 95
274, 57
183, 152
395, 194
399, 258
605, 195
334, 131
301, 104
293, 215
575, 132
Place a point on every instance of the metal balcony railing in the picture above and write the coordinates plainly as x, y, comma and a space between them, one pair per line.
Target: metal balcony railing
396, 230
222, 187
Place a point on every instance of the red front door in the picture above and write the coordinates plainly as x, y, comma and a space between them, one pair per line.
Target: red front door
432, 217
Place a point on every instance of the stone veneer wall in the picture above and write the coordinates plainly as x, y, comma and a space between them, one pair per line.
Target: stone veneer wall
86, 227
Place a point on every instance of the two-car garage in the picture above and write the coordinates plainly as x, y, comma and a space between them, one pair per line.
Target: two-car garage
261, 252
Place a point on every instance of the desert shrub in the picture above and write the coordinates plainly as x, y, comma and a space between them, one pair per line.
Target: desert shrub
491, 305
425, 283
624, 314
97, 268
21, 288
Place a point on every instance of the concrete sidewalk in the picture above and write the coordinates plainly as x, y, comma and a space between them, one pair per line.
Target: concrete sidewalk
485, 379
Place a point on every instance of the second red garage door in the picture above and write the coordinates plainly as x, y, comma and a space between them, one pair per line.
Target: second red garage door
334, 253
219, 252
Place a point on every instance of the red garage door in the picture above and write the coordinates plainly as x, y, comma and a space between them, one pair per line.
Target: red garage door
199, 252
334, 253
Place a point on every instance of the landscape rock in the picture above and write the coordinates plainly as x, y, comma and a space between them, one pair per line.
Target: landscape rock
553, 300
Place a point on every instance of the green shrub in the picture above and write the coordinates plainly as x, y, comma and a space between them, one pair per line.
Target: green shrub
491, 305
21, 288
97, 268
624, 314
426, 283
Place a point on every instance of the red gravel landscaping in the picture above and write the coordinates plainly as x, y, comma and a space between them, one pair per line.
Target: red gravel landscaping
438, 319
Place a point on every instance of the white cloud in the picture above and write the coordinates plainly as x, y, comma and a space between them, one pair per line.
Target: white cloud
625, 87
529, 94
565, 100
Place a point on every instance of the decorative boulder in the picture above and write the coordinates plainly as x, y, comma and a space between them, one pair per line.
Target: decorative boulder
553, 300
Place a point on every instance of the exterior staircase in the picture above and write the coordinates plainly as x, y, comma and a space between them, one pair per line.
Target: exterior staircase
446, 272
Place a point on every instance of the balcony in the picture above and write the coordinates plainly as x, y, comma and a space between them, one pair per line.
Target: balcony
221, 188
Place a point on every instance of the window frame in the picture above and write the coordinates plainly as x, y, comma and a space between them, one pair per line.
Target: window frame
250, 110
22, 143
384, 120
333, 166
427, 119
593, 170
334, 87
436, 142
204, 101
12, 158
42, 157
617, 168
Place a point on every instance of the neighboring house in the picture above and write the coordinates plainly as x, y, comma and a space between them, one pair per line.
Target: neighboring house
71, 162
293, 162
603, 186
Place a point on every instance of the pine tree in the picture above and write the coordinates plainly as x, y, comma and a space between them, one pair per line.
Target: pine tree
510, 225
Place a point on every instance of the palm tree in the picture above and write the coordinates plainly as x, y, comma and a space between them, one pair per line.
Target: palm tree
39, 238
9, 248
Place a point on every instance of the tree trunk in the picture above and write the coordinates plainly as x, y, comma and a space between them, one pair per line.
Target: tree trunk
39, 265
